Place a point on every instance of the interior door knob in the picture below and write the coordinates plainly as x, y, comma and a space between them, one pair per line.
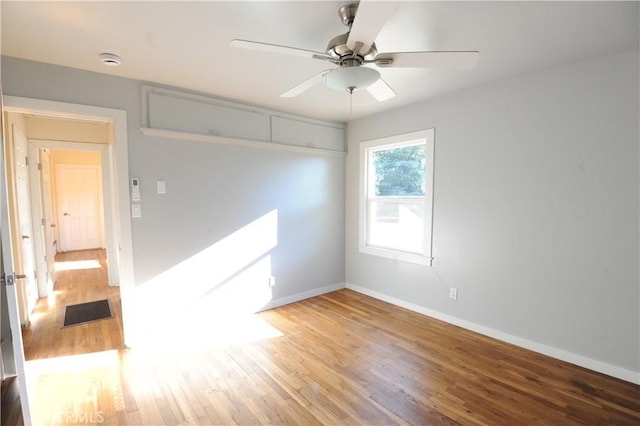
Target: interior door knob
67, 214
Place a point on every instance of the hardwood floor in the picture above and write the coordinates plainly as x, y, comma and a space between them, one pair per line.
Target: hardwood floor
340, 358
81, 277
11, 411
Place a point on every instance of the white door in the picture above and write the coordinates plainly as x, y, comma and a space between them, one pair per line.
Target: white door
11, 294
78, 190
30, 287
37, 220
49, 222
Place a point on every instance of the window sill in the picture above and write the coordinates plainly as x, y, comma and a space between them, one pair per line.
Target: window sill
396, 255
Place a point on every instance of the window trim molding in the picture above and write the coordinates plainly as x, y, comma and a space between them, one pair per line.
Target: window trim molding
424, 258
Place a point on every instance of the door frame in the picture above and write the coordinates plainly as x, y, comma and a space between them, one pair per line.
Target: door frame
37, 213
108, 230
115, 179
48, 225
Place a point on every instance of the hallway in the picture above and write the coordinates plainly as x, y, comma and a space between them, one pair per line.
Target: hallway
81, 277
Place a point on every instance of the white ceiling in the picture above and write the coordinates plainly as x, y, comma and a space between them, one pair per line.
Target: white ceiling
186, 44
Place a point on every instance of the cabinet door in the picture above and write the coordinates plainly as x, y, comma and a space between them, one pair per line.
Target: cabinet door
301, 133
193, 116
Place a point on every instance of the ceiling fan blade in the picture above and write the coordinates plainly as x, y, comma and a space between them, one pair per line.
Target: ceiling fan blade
276, 48
370, 18
381, 90
435, 60
305, 85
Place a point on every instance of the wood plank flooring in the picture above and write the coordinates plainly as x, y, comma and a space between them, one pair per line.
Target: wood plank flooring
81, 277
340, 358
11, 411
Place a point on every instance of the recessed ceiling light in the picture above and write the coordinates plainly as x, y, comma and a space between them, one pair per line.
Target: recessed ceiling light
110, 60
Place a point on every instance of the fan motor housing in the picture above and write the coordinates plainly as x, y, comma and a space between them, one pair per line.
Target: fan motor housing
338, 50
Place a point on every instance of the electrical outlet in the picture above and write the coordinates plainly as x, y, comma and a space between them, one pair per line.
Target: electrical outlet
272, 281
453, 293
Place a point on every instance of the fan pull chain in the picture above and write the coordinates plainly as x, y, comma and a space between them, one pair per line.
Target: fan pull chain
350, 90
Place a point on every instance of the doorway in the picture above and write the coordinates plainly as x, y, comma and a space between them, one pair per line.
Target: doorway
60, 211
111, 143
116, 208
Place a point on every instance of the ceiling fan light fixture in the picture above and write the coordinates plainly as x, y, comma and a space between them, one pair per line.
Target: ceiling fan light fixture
351, 78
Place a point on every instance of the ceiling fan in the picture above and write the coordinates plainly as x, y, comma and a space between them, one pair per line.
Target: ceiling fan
354, 53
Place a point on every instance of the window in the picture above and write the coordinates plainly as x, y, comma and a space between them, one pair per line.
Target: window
396, 196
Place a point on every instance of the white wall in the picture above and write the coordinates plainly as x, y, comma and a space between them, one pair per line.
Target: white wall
535, 211
213, 191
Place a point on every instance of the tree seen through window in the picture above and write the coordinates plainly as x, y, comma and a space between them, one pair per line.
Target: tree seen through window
400, 171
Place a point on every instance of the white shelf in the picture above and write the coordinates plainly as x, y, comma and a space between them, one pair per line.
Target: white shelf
171, 134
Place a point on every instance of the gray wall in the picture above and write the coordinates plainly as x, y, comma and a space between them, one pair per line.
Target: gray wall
535, 209
212, 191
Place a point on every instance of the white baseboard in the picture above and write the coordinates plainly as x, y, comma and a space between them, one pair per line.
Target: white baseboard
301, 296
570, 357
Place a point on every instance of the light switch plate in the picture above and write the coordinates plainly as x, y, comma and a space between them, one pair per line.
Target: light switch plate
161, 186
136, 210
453, 293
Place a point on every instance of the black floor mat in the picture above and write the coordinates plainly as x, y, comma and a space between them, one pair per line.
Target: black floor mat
86, 312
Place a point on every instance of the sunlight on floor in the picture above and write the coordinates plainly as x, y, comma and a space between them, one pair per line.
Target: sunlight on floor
73, 363
73, 389
52, 297
221, 332
36, 316
41, 313
77, 264
90, 388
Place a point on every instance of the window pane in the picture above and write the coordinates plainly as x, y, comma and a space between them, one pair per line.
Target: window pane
397, 225
399, 171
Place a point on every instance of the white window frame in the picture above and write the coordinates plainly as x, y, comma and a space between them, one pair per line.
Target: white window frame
398, 141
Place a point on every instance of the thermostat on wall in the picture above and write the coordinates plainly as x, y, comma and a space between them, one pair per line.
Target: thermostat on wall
135, 189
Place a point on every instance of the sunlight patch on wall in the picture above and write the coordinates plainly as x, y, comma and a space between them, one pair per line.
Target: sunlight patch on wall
206, 299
